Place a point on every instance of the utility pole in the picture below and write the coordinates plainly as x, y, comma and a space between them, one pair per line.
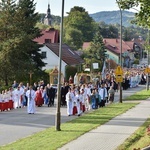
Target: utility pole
58, 114
120, 97
148, 61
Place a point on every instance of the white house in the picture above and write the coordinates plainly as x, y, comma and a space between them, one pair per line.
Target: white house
50, 51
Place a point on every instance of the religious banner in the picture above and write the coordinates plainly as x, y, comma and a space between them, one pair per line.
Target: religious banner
104, 71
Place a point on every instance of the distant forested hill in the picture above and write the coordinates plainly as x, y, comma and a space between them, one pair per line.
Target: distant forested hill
109, 17
113, 17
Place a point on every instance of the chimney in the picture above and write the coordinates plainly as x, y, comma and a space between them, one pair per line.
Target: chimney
47, 40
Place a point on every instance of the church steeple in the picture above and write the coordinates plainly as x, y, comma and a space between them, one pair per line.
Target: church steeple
47, 19
48, 11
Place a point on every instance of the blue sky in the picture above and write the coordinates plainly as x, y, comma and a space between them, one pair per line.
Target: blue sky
92, 6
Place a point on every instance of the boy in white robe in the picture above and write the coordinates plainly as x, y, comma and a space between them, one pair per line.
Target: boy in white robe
17, 97
69, 100
77, 100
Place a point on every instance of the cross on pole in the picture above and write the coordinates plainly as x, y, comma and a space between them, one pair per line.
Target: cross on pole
30, 75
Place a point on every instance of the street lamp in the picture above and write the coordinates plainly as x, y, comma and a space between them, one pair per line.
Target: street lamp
120, 47
148, 61
58, 114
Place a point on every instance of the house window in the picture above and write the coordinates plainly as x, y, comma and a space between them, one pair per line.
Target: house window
47, 40
44, 55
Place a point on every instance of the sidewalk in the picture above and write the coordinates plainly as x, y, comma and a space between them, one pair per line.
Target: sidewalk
110, 135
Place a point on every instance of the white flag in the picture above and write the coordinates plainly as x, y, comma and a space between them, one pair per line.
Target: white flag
104, 71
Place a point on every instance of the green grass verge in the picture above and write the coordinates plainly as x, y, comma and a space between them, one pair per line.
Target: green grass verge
141, 95
139, 139
50, 139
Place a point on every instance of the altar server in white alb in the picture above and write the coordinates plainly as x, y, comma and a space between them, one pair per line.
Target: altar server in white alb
31, 101
103, 94
78, 100
17, 98
69, 100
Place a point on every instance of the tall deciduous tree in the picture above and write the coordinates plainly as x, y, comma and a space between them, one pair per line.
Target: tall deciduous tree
142, 16
108, 31
74, 38
84, 26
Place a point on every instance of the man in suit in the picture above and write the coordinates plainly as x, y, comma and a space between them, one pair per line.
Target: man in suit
63, 95
51, 95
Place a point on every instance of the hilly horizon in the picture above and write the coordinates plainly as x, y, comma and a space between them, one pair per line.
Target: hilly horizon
113, 17
109, 17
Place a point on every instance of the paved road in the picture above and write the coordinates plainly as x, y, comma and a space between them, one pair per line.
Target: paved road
16, 124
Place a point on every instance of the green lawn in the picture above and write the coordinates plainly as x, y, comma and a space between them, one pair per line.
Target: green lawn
139, 139
50, 139
141, 95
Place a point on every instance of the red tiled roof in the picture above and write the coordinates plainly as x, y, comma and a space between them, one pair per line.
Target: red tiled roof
114, 45
68, 55
51, 34
130, 44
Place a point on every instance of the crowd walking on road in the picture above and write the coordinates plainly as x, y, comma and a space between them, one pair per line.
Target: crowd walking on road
78, 98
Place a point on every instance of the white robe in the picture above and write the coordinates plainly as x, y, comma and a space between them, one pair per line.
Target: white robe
17, 98
69, 100
103, 94
31, 101
77, 100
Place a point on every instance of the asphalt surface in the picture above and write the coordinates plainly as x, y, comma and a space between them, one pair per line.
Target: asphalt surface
17, 123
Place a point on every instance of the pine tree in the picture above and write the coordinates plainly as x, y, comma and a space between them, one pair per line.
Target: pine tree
18, 52
97, 48
8, 39
96, 53
27, 28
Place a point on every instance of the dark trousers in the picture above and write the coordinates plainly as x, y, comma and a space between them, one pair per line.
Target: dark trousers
102, 103
53, 100
63, 100
49, 101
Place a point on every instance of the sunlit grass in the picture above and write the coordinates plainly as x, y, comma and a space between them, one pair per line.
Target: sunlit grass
139, 139
141, 95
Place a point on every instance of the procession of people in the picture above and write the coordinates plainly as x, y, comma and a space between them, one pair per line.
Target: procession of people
77, 97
